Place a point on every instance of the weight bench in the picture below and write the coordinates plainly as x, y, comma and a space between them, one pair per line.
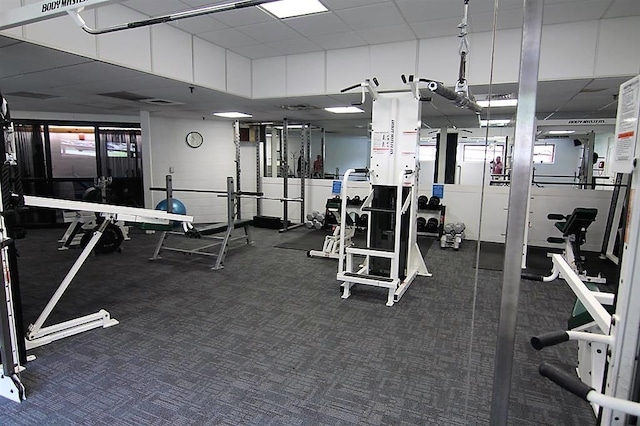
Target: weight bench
208, 236
574, 234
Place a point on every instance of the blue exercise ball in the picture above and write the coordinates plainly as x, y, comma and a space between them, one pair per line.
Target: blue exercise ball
176, 206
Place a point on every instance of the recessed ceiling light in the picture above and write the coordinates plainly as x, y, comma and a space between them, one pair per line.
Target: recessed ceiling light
344, 110
289, 8
498, 103
494, 123
561, 132
232, 114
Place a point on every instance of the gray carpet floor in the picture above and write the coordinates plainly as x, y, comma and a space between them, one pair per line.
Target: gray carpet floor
268, 341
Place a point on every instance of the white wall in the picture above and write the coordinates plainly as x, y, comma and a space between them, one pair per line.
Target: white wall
207, 167
567, 161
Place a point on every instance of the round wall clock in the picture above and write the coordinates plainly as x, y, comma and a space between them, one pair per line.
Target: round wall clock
194, 139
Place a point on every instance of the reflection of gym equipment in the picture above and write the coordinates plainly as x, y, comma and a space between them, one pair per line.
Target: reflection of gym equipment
333, 219
83, 224
207, 235
453, 235
392, 256
315, 220
574, 234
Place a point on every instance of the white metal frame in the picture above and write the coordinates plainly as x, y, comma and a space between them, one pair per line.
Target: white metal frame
38, 334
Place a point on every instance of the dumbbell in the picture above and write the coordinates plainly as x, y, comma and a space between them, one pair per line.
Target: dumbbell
423, 202
422, 224
432, 225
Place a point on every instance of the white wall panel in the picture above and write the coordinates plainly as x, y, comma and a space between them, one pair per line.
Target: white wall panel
306, 74
62, 33
206, 167
209, 65
506, 57
568, 50
617, 43
269, 77
8, 5
171, 52
389, 61
238, 75
131, 48
346, 67
438, 59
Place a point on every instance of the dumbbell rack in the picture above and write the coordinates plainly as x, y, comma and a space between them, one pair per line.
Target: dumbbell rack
438, 211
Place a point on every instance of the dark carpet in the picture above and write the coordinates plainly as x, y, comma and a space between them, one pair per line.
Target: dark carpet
268, 341
491, 256
314, 240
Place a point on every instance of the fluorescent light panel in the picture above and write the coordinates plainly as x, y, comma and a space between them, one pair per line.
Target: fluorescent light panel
498, 103
344, 110
561, 132
494, 123
289, 8
232, 114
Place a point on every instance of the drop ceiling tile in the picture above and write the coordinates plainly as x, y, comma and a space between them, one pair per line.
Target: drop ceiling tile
348, 4
157, 7
295, 46
339, 40
375, 15
584, 10
420, 10
620, 8
269, 31
257, 51
229, 38
390, 34
241, 17
438, 28
8, 41
319, 24
199, 24
201, 3
507, 19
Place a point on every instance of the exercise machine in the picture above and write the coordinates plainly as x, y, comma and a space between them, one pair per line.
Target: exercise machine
608, 373
212, 240
392, 256
574, 234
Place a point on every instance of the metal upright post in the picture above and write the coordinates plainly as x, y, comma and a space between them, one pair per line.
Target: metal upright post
236, 142
516, 220
169, 186
261, 139
304, 153
323, 149
285, 173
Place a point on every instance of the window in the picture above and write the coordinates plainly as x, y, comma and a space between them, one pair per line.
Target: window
427, 153
482, 153
544, 154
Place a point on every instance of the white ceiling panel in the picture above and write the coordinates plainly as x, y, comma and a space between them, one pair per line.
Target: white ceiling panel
257, 51
323, 23
241, 17
269, 31
199, 25
585, 10
420, 10
338, 40
348, 4
229, 38
438, 28
390, 34
24, 58
376, 15
156, 7
295, 46
620, 8
507, 19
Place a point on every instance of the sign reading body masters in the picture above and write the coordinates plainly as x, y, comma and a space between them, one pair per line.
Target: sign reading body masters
627, 126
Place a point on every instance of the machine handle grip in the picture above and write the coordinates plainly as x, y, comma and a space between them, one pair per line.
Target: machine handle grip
375, 81
549, 339
346, 89
404, 78
364, 170
556, 216
564, 380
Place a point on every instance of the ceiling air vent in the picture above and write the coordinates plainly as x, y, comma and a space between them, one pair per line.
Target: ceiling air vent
163, 102
298, 107
32, 95
127, 96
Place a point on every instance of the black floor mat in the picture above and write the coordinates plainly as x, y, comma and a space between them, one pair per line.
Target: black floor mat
313, 240
491, 256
